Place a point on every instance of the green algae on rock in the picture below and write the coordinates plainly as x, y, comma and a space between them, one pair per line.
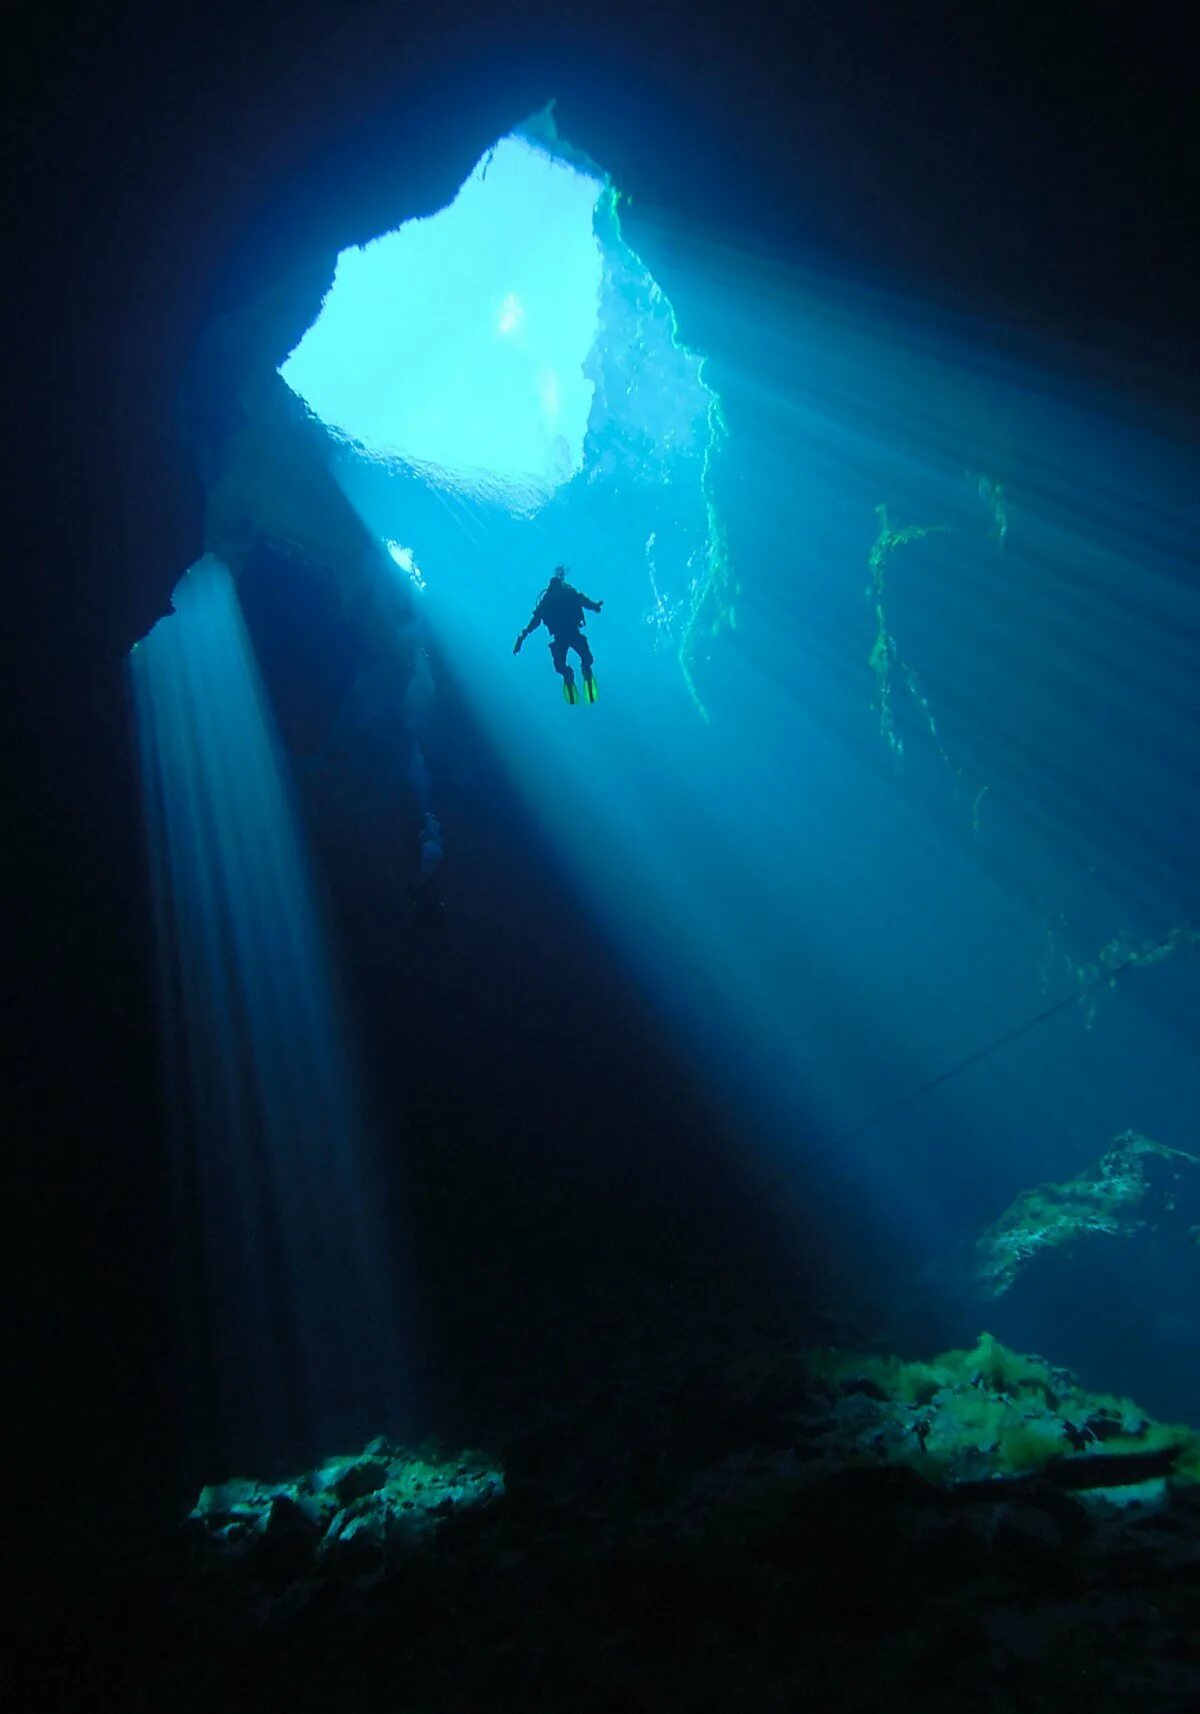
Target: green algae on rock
990, 1412
350, 1515
1136, 1185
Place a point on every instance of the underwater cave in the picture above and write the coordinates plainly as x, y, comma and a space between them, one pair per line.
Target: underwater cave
483, 391
680, 1195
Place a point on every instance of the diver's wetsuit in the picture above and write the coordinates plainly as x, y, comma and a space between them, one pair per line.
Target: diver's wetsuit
561, 611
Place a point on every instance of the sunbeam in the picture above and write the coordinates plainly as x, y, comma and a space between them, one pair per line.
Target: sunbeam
286, 1274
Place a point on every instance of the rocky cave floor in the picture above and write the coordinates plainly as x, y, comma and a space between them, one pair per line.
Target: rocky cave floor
747, 1528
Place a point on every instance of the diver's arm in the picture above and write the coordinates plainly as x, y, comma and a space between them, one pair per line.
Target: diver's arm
528, 631
592, 606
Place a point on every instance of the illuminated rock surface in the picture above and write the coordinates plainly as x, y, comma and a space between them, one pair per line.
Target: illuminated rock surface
1103, 1269
1140, 1188
351, 1517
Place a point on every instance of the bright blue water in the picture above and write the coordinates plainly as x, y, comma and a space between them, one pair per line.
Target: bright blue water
931, 764
897, 687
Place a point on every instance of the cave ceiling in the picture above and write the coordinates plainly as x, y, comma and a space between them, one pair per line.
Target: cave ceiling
168, 169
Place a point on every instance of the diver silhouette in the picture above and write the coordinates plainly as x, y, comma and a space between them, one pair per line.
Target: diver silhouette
560, 608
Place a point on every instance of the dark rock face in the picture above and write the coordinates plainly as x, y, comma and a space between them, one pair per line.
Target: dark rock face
361, 1479
287, 1542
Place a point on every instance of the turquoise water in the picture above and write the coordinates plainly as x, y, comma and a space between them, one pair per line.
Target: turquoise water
887, 807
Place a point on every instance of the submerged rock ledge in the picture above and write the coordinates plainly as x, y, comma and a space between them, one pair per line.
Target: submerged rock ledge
348, 1517
746, 1530
992, 1415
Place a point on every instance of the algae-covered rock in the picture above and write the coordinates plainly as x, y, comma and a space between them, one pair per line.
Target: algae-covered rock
991, 1413
364, 1476
346, 1518
1139, 1185
1104, 1269
221, 1502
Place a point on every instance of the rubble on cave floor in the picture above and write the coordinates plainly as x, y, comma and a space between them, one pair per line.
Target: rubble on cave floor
349, 1518
991, 1414
750, 1529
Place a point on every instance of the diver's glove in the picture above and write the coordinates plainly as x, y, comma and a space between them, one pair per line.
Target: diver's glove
517, 644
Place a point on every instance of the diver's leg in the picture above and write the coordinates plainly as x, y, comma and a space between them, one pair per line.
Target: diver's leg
558, 654
582, 648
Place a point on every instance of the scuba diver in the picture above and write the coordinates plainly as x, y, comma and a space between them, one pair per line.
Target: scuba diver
560, 609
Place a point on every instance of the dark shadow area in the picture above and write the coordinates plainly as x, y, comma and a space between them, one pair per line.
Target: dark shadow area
567, 1175
307, 650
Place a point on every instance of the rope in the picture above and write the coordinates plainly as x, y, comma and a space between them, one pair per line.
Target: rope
1108, 975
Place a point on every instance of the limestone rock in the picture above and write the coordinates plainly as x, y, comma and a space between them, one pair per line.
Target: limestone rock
1139, 1185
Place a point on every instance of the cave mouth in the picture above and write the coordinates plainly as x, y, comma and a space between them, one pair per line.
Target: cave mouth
509, 362
457, 344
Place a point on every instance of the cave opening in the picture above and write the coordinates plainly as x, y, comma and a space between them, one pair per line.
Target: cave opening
457, 344
503, 386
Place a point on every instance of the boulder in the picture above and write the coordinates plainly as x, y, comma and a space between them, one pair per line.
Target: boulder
365, 1477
